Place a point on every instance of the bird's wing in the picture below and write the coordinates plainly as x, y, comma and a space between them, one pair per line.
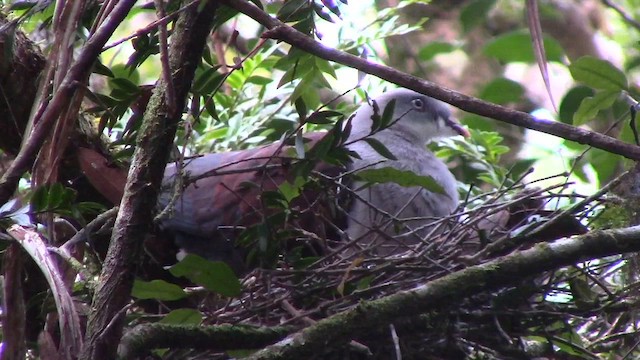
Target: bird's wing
232, 194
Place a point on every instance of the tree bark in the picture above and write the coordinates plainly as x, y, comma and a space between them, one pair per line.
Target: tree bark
134, 219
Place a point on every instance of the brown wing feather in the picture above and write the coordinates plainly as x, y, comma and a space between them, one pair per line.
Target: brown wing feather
232, 196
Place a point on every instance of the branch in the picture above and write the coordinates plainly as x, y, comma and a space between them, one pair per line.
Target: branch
625, 16
134, 219
282, 32
143, 338
451, 289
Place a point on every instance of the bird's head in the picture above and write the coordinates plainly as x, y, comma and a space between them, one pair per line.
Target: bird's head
415, 115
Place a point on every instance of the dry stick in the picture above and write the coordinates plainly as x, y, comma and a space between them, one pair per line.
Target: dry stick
280, 31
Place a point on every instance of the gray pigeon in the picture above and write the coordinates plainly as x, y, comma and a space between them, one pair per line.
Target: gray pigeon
388, 217
209, 207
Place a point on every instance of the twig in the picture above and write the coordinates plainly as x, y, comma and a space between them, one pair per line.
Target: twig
280, 31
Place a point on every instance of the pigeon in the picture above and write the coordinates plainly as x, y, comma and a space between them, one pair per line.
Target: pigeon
224, 191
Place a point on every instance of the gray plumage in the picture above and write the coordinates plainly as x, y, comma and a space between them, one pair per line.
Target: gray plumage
419, 120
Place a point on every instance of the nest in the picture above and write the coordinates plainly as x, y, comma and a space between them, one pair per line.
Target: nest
516, 322
586, 310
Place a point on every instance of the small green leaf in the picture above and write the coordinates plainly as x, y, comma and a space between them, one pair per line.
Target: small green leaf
100, 68
325, 67
291, 191
322, 117
215, 276
502, 91
208, 81
571, 102
157, 289
320, 149
516, 47
126, 85
598, 73
401, 177
474, 14
590, 106
294, 10
430, 51
259, 80
299, 145
387, 115
301, 108
380, 148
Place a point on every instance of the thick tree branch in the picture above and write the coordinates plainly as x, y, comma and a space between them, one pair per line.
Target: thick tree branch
143, 338
134, 219
282, 32
451, 289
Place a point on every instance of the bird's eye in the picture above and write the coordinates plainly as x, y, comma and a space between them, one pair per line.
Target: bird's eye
417, 103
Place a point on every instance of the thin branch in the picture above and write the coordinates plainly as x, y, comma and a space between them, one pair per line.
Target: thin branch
163, 35
625, 16
280, 31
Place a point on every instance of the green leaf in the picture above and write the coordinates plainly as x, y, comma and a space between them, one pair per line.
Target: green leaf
291, 191
516, 47
598, 73
294, 10
380, 148
215, 276
590, 106
299, 145
205, 80
571, 102
301, 108
502, 91
125, 85
520, 167
183, 317
325, 67
401, 177
322, 117
320, 149
475, 13
55, 196
100, 68
295, 72
387, 115
430, 51
259, 80
604, 163
157, 289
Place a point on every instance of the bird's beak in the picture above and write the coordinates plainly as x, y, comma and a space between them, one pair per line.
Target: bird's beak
455, 125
